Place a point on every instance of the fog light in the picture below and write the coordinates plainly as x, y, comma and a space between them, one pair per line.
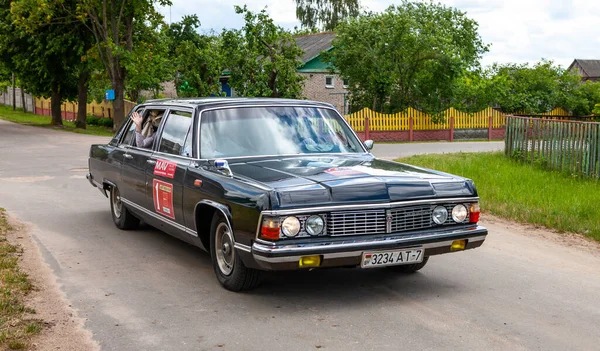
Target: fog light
458, 245
309, 261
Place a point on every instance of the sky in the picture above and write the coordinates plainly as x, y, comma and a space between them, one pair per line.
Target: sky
519, 31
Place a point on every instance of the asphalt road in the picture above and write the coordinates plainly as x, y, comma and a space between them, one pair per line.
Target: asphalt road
393, 151
143, 290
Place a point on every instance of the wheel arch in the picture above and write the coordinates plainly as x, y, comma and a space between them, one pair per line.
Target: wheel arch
204, 211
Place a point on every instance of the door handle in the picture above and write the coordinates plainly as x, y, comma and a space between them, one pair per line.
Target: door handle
127, 156
152, 162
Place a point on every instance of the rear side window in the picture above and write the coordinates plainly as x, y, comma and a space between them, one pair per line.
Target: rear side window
175, 132
129, 134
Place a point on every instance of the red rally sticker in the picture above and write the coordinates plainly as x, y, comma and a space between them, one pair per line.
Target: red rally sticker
163, 198
165, 168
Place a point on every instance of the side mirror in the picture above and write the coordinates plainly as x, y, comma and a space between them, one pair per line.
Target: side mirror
368, 144
223, 167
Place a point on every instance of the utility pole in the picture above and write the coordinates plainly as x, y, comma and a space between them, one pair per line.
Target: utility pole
14, 95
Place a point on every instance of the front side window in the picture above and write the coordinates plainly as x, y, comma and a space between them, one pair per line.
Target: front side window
175, 132
259, 131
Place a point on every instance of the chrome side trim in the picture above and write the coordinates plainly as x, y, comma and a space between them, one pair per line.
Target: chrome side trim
294, 253
165, 220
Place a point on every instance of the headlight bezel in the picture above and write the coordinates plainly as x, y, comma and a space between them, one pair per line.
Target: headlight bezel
292, 222
307, 226
440, 209
464, 213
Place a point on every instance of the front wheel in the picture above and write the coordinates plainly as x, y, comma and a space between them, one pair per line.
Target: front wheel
408, 268
120, 214
229, 269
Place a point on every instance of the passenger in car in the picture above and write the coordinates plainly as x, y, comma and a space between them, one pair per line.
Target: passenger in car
144, 136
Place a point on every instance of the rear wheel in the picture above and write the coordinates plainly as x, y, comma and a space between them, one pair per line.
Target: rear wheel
408, 268
120, 214
229, 269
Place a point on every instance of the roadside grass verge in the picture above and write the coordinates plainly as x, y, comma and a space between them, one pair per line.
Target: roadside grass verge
523, 192
30, 119
16, 325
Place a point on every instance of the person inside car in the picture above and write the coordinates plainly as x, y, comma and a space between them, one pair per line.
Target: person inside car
144, 135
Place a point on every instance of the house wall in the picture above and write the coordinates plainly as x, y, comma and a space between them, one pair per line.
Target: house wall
315, 89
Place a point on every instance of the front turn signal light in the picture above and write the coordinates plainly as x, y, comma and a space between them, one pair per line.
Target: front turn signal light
270, 229
474, 212
309, 261
458, 245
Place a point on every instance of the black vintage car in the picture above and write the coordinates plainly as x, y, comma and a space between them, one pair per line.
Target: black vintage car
273, 184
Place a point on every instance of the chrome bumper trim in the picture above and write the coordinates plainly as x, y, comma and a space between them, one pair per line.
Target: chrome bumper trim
355, 248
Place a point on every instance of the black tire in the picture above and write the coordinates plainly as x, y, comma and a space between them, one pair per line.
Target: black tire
120, 214
408, 268
229, 268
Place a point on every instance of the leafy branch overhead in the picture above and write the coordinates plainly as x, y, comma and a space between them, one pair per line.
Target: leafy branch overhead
325, 14
262, 57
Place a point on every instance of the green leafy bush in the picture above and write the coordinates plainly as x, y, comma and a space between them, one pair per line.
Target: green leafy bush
105, 122
92, 121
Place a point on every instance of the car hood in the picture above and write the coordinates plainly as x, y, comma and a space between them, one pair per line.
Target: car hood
310, 180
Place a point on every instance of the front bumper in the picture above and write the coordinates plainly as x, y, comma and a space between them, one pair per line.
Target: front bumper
340, 251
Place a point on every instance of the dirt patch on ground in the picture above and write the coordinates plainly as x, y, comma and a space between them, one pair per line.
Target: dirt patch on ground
572, 240
63, 330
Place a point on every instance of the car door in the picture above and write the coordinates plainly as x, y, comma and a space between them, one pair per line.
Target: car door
169, 164
133, 172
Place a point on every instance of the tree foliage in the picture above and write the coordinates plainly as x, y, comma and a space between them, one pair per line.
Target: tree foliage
198, 58
262, 58
325, 14
410, 55
45, 53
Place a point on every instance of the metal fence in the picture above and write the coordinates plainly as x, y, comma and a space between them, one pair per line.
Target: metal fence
568, 146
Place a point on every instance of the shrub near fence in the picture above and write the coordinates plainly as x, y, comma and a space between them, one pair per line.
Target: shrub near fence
561, 145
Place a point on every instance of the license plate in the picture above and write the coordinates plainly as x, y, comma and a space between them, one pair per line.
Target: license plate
391, 258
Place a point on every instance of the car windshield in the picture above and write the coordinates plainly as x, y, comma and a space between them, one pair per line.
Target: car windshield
259, 131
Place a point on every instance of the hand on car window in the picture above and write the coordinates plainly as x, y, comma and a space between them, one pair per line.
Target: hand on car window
137, 120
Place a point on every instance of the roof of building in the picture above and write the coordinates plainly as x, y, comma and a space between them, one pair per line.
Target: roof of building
314, 44
591, 68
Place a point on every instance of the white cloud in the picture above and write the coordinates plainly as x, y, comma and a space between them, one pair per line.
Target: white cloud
518, 30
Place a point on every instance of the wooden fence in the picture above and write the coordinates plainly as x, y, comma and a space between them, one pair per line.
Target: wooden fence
561, 145
423, 121
69, 109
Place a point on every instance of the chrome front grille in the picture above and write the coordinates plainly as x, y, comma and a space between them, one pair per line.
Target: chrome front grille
357, 222
397, 219
411, 218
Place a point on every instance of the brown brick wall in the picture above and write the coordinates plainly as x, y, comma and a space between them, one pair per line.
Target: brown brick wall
419, 135
315, 89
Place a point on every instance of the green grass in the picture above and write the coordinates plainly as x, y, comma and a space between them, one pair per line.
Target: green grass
16, 325
525, 193
30, 119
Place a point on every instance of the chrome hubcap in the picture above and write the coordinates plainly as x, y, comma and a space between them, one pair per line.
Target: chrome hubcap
224, 249
116, 202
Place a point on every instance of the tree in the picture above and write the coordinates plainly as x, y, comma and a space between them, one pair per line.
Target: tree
62, 44
46, 61
198, 58
325, 14
112, 24
410, 55
262, 58
149, 63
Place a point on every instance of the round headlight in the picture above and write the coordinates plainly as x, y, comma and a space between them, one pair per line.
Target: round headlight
290, 226
315, 225
459, 213
440, 215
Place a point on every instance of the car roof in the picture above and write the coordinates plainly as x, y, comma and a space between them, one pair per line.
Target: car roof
209, 102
